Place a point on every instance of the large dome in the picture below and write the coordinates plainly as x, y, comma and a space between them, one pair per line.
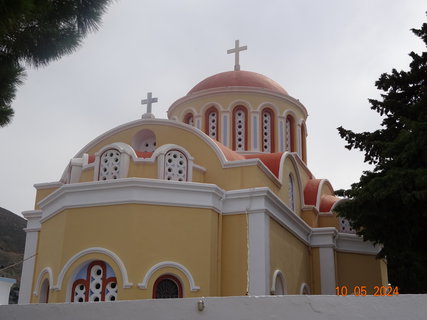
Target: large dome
238, 79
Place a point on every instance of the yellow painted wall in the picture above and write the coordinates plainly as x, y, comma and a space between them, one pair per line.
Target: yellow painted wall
360, 270
41, 194
155, 233
234, 256
290, 256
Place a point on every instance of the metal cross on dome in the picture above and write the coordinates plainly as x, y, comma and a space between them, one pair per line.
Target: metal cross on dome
149, 101
236, 50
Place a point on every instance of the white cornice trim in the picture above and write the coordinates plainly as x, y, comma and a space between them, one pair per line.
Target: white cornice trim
169, 264
238, 90
112, 255
346, 242
323, 237
48, 185
131, 190
194, 195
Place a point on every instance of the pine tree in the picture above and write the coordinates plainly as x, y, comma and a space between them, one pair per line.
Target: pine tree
35, 32
389, 204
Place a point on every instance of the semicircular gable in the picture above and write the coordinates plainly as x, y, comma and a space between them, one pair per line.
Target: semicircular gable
126, 131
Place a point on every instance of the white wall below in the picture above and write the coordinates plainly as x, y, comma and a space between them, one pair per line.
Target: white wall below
236, 308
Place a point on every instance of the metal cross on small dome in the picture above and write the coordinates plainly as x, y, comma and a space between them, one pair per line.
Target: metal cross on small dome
149, 101
236, 50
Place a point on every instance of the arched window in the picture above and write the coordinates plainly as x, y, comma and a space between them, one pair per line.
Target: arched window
189, 119
176, 166
240, 128
109, 166
267, 129
95, 282
44, 291
167, 287
291, 192
211, 123
290, 135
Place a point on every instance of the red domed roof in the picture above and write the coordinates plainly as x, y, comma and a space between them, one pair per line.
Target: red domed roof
238, 79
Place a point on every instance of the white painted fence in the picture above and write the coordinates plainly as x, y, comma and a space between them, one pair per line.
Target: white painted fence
407, 307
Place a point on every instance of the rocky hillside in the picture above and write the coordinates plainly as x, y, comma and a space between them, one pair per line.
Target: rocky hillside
12, 243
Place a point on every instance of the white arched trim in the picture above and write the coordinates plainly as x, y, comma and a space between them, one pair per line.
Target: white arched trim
295, 173
292, 114
278, 275
304, 289
42, 273
206, 106
239, 102
169, 264
323, 183
270, 105
120, 146
112, 255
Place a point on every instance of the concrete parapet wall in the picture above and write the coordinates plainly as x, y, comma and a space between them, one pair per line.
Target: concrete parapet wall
234, 308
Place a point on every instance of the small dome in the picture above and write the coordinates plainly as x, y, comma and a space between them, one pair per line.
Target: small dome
238, 79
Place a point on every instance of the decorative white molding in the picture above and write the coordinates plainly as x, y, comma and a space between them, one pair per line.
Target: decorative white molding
160, 153
323, 182
323, 237
112, 255
48, 185
278, 276
49, 272
169, 264
352, 243
304, 287
126, 152
132, 190
194, 195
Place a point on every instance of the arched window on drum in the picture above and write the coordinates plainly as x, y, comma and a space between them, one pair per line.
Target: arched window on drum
212, 123
94, 282
240, 128
267, 130
189, 119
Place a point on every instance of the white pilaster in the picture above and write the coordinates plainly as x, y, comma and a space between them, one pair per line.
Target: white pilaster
255, 132
327, 270
259, 254
225, 129
281, 134
32, 230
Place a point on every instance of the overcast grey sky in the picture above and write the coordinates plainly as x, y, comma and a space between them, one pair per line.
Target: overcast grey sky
328, 54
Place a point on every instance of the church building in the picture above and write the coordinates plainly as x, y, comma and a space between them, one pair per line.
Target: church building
216, 200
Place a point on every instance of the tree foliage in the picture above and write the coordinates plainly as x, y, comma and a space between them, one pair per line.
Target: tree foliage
389, 204
35, 32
